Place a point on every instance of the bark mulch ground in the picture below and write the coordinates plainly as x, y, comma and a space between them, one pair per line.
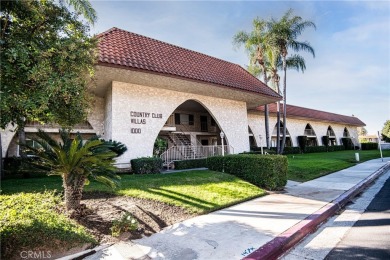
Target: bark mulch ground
152, 216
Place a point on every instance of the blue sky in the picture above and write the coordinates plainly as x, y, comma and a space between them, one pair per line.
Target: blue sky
349, 75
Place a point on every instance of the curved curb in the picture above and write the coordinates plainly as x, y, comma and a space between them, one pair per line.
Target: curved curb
289, 238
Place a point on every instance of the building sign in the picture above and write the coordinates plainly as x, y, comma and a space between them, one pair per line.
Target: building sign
141, 118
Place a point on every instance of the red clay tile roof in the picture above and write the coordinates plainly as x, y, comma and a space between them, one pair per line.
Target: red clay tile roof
295, 111
134, 51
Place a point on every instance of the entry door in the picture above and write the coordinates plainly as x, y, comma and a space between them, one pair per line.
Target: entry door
203, 124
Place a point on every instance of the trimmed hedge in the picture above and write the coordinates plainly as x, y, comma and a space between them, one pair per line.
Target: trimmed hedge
335, 148
146, 165
369, 146
316, 149
272, 150
265, 171
325, 140
347, 142
302, 142
190, 164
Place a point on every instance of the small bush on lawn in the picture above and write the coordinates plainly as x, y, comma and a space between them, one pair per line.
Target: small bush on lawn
325, 140
265, 171
302, 142
347, 143
126, 223
369, 146
146, 165
30, 221
190, 164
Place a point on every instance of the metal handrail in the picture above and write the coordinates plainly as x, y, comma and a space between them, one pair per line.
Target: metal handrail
188, 152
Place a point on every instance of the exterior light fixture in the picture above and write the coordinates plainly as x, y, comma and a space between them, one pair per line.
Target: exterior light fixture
222, 135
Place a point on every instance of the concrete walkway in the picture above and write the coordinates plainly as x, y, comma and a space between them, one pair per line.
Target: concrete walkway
238, 231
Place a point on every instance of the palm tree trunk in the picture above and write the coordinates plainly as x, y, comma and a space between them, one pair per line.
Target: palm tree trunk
73, 192
266, 123
284, 104
266, 110
278, 127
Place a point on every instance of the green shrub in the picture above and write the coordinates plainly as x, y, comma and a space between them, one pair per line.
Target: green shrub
272, 150
316, 149
291, 150
369, 146
146, 165
126, 223
31, 220
265, 171
190, 164
335, 148
347, 143
16, 165
302, 142
325, 140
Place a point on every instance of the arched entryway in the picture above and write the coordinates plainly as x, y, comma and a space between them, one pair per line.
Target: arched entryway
274, 136
311, 136
331, 136
252, 139
192, 132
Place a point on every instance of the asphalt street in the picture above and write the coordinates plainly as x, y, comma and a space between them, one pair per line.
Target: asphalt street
369, 238
360, 231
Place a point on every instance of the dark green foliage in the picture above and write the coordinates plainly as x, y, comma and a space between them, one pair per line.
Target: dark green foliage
386, 131
15, 165
347, 143
272, 150
190, 164
47, 61
160, 146
302, 142
369, 146
325, 140
266, 171
335, 148
146, 165
31, 221
291, 150
316, 149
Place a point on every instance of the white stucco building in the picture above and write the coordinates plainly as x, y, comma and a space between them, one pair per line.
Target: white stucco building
146, 89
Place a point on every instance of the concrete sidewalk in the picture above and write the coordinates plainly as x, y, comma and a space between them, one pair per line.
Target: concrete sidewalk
238, 231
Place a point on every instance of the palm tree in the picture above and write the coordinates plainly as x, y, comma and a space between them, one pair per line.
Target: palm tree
83, 7
283, 35
76, 162
256, 45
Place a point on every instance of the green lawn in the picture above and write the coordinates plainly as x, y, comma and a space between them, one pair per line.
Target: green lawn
305, 167
30, 220
197, 191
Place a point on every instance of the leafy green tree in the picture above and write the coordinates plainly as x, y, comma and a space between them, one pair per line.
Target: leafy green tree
284, 34
47, 59
76, 162
386, 131
362, 131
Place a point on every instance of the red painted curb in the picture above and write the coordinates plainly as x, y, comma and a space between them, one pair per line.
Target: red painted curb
289, 238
